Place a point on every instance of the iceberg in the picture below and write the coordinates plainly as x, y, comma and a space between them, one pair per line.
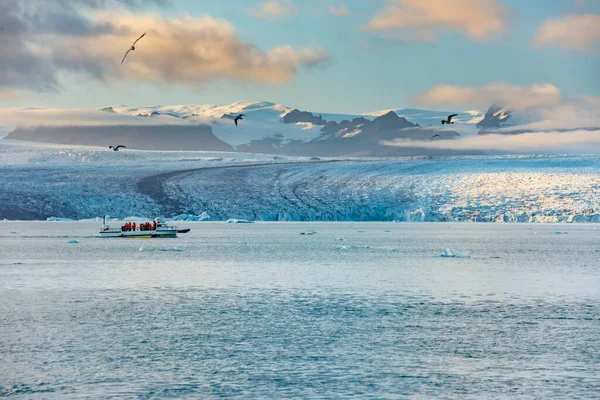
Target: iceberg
165, 249
238, 221
192, 218
450, 253
58, 219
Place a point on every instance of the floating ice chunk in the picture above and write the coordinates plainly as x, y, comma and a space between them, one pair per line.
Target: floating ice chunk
309, 232
73, 241
58, 219
165, 249
238, 221
174, 249
455, 253
205, 216
351, 247
188, 217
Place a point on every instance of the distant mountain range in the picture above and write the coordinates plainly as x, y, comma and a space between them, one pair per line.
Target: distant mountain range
266, 128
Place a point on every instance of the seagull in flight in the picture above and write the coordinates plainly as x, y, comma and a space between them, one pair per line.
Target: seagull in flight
449, 119
132, 48
434, 136
236, 119
117, 148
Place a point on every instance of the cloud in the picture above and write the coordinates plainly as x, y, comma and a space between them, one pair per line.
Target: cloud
7, 94
577, 141
188, 50
340, 11
28, 117
49, 39
274, 9
419, 20
579, 32
509, 96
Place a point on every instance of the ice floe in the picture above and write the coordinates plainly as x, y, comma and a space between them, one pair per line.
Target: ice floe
238, 221
455, 253
193, 218
164, 249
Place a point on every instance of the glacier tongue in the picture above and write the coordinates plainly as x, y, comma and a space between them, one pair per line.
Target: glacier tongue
42, 181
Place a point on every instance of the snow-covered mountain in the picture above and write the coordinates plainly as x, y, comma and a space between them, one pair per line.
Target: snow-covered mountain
433, 118
266, 128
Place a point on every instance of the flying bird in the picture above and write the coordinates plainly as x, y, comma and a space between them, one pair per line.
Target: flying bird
449, 119
434, 136
132, 48
236, 119
117, 148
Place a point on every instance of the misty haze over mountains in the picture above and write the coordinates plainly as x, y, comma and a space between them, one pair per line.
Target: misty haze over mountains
276, 129
267, 128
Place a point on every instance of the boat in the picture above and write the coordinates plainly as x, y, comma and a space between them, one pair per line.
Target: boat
157, 229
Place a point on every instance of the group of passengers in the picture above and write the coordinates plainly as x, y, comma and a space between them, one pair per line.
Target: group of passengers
146, 226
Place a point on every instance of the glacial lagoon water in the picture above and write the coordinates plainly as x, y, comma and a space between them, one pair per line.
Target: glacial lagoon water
355, 310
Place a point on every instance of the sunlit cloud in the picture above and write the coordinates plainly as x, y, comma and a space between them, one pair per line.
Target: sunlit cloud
274, 9
90, 41
504, 94
578, 32
422, 20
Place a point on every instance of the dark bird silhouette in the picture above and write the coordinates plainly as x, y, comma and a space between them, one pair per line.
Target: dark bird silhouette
434, 136
117, 148
236, 119
132, 48
449, 119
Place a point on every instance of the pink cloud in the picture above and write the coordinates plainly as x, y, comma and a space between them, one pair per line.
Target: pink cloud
579, 32
478, 19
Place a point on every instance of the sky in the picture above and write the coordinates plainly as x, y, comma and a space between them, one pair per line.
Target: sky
345, 56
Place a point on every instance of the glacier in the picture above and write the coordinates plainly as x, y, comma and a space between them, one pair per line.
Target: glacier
40, 181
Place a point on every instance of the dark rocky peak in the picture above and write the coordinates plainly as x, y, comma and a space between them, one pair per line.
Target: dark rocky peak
296, 116
108, 109
386, 122
157, 113
332, 127
495, 117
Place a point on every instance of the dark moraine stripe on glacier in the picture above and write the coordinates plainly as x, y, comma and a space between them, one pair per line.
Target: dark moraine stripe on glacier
171, 202
298, 191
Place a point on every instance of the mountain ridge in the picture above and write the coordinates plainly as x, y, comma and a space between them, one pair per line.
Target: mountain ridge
266, 128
